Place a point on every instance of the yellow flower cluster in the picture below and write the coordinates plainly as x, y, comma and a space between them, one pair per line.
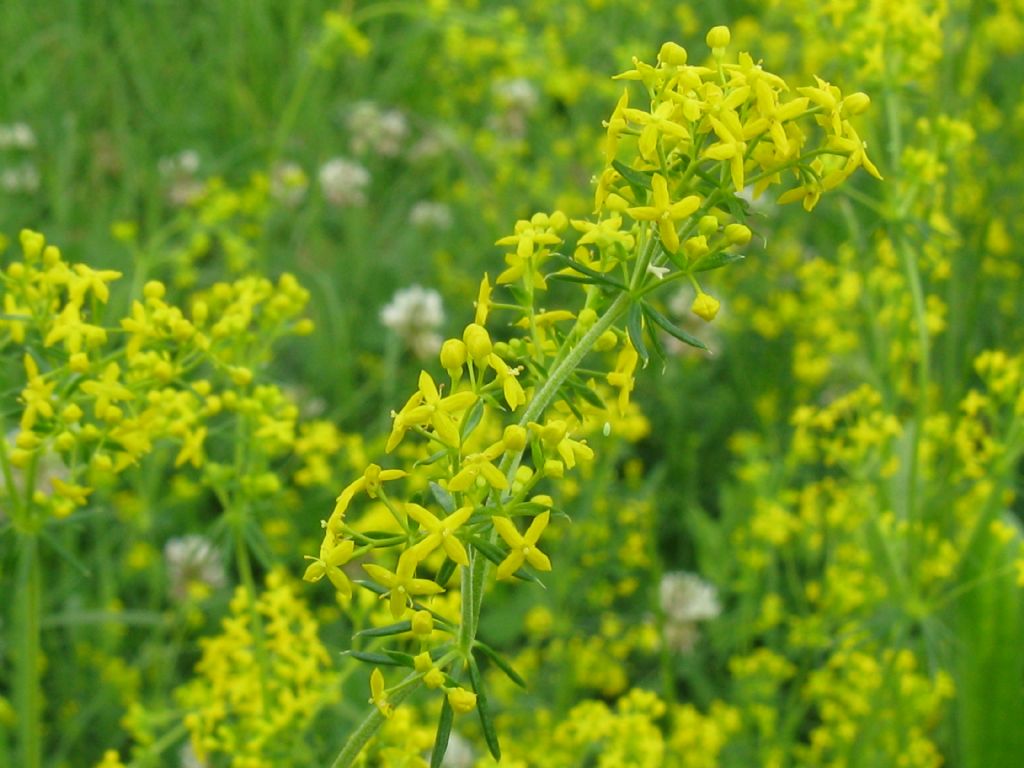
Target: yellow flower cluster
102, 396
252, 700
515, 409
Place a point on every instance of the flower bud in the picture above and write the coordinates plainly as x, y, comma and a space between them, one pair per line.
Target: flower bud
554, 468
672, 53
79, 362
737, 234
422, 623
856, 103
705, 306
461, 700
514, 437
154, 289
606, 341
422, 662
478, 342
718, 37
434, 679
65, 441
586, 319
696, 247
453, 355
707, 225
31, 244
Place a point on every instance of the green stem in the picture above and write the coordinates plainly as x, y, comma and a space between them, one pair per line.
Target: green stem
244, 564
924, 365
26, 683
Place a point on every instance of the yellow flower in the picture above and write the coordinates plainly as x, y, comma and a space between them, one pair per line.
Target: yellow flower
510, 386
333, 555
107, 390
76, 493
440, 533
378, 697
370, 482
37, 395
622, 377
665, 212
402, 584
615, 124
483, 302
656, 125
555, 436
426, 406
522, 547
731, 145
477, 464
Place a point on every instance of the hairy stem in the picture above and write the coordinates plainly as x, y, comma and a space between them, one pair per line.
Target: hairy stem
27, 694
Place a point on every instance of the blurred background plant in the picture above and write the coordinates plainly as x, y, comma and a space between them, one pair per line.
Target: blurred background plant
802, 549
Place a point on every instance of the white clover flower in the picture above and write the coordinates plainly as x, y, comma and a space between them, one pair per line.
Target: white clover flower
288, 184
414, 314
519, 95
344, 182
187, 757
428, 214
686, 599
184, 163
376, 130
180, 173
17, 136
515, 100
459, 753
192, 560
20, 179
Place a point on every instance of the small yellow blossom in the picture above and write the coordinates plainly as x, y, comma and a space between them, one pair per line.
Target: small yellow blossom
522, 547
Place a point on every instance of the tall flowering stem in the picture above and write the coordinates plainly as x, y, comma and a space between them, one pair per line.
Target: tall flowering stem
479, 451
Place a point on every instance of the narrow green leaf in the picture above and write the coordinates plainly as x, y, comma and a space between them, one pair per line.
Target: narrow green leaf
501, 663
530, 508
717, 261
634, 326
637, 179
666, 325
390, 629
444, 732
442, 497
587, 394
373, 658
491, 551
472, 419
572, 279
446, 571
65, 553
378, 535
657, 347
571, 404
371, 585
483, 708
432, 458
597, 277
402, 659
